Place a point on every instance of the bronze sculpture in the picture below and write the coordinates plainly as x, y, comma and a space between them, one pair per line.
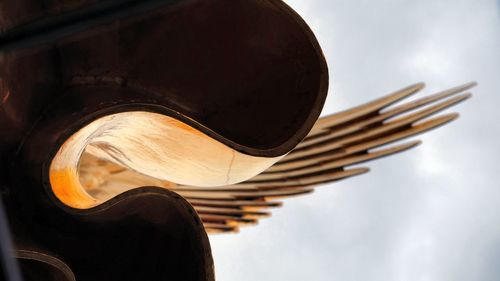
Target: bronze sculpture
249, 84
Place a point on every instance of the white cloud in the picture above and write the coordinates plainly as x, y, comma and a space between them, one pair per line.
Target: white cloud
429, 214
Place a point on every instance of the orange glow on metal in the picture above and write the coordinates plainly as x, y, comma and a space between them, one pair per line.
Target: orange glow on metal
66, 187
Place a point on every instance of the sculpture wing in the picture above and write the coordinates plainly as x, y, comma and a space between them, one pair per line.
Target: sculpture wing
335, 143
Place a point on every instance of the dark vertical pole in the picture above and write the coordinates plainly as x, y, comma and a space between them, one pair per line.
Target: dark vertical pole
8, 262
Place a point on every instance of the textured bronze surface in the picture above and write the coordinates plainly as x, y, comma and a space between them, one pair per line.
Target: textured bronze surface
335, 144
249, 74
146, 234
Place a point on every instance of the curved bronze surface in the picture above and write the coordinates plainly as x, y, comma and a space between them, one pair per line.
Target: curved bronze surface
249, 74
37, 265
144, 234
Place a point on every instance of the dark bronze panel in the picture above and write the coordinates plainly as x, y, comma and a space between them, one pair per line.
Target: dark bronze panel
249, 73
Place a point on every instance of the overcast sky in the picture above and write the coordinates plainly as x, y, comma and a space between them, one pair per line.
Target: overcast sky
432, 213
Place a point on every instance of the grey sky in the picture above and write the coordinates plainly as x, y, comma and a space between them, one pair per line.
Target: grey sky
429, 214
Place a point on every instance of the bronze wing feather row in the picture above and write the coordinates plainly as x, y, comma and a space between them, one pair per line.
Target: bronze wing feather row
335, 143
